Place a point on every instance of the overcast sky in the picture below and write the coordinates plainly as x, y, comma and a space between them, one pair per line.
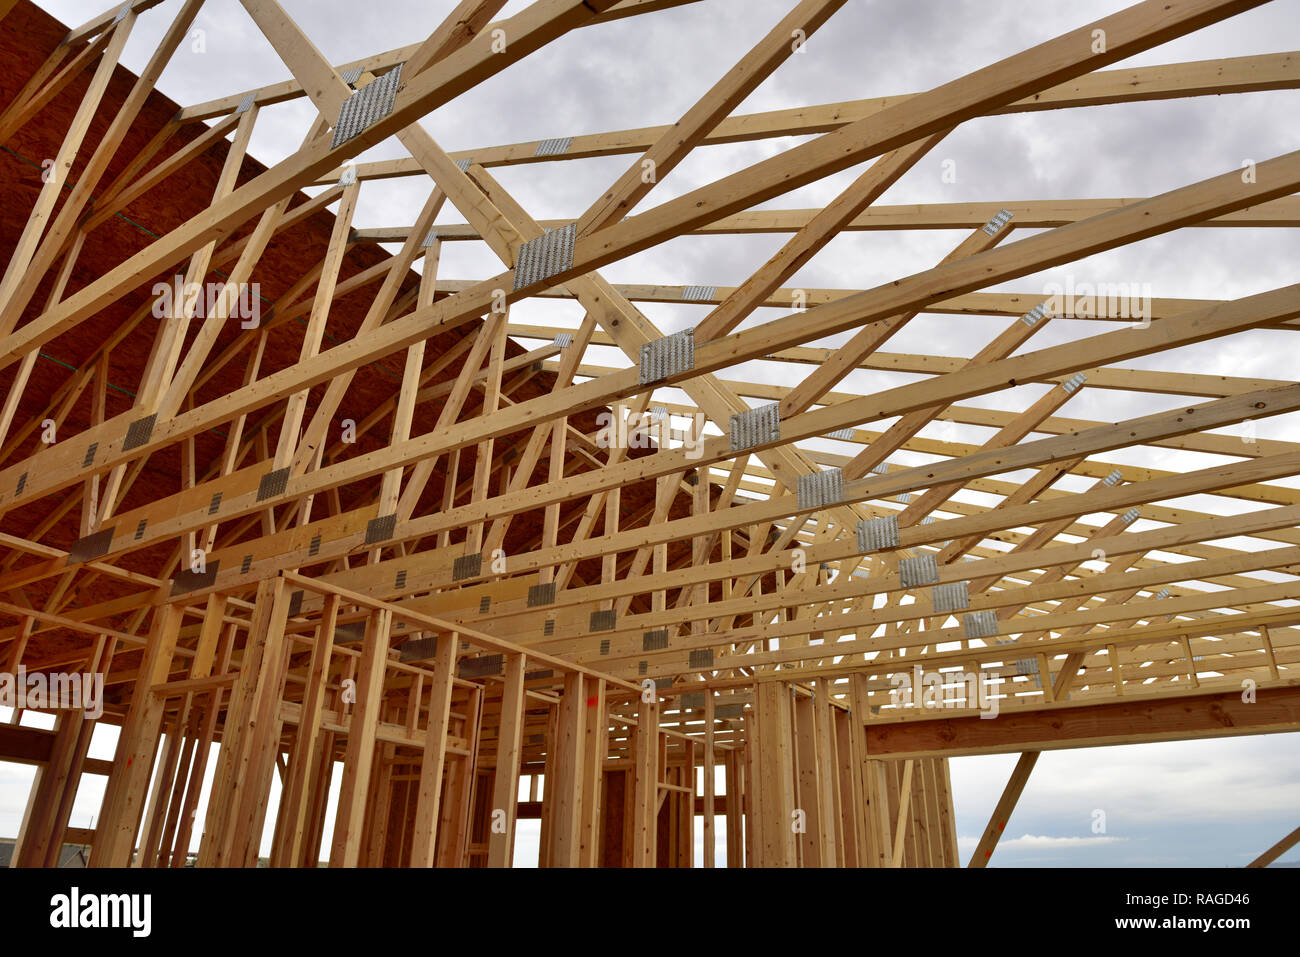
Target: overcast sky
1206, 803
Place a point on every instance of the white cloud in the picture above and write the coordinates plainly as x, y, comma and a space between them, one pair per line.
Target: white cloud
1044, 842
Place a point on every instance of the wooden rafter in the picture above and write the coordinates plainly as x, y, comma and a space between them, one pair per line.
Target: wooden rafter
616, 573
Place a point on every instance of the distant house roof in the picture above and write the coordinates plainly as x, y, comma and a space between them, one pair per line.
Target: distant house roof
74, 855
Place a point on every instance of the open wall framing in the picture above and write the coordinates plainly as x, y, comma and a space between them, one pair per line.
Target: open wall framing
520, 563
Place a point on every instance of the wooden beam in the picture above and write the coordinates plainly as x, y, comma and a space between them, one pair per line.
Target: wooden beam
1082, 724
1002, 810
1277, 850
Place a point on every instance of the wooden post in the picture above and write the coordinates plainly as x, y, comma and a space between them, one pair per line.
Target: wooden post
776, 763
734, 778
361, 742
505, 794
595, 749
295, 792
568, 785
830, 821
646, 783
461, 792
124, 796
428, 808
710, 763
810, 839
